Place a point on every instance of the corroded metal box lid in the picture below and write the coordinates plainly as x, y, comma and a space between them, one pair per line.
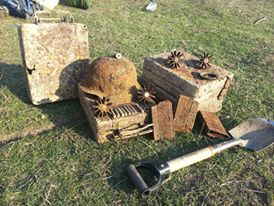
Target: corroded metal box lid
55, 57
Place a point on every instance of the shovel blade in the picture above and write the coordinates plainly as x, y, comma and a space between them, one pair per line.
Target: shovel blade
257, 133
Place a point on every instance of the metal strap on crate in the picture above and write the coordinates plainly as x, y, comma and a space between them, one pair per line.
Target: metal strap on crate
58, 16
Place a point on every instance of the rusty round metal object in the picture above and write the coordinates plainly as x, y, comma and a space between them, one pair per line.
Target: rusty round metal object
204, 61
208, 76
146, 95
115, 78
174, 59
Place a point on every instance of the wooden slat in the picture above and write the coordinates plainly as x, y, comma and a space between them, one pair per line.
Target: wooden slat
212, 125
185, 114
161, 94
162, 118
104, 129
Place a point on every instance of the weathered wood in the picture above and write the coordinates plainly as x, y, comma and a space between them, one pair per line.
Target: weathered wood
187, 80
185, 114
118, 126
162, 118
161, 94
211, 124
55, 57
169, 86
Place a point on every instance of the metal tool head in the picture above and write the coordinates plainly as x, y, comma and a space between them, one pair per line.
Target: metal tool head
257, 133
161, 174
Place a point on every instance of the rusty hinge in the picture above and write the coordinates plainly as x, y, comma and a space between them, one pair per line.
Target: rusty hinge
224, 90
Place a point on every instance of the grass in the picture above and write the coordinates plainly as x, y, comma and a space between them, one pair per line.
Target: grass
61, 164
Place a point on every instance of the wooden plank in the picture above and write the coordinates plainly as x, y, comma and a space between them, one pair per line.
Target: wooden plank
185, 114
212, 125
176, 88
104, 129
180, 85
162, 118
160, 93
156, 66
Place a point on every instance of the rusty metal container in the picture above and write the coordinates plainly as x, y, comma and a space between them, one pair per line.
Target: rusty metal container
55, 57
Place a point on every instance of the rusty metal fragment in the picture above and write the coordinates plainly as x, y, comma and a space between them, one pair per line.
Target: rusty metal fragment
212, 126
185, 114
174, 59
147, 95
205, 61
102, 107
162, 118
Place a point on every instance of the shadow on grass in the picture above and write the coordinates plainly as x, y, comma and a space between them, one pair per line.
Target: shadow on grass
12, 77
65, 114
120, 180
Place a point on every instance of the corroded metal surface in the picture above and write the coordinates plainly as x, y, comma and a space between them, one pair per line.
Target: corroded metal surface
185, 114
212, 125
174, 59
122, 122
115, 78
55, 57
162, 118
147, 95
205, 61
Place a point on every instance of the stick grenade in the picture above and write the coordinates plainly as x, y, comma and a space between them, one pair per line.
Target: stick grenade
254, 134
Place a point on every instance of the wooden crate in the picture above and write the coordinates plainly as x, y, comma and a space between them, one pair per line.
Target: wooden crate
55, 57
131, 120
187, 81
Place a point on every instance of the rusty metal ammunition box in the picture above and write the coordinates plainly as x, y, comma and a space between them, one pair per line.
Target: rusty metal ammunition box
55, 57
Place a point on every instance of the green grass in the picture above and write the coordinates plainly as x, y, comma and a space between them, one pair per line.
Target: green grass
65, 166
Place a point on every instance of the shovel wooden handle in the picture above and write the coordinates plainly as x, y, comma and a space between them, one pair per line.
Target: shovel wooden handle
200, 155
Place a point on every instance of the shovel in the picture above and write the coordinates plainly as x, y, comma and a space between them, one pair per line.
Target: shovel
254, 134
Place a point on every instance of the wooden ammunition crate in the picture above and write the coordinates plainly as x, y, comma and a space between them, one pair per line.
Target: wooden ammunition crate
187, 80
55, 57
128, 120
